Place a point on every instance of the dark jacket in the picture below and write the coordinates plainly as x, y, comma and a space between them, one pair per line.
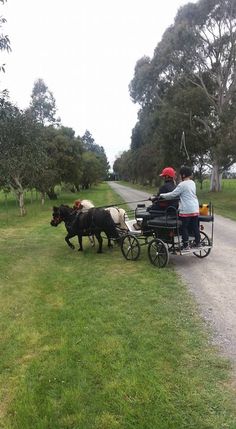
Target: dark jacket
162, 205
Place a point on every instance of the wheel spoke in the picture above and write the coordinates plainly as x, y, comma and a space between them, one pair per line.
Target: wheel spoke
204, 241
130, 247
158, 253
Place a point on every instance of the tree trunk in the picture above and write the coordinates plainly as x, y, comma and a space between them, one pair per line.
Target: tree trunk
43, 195
216, 178
21, 202
19, 192
52, 194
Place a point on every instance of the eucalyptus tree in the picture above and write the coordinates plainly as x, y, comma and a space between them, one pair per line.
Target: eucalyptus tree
43, 104
124, 166
145, 148
197, 51
160, 124
4, 39
146, 165
182, 104
21, 154
90, 145
209, 62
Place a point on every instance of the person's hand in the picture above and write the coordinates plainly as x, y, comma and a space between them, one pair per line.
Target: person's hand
150, 198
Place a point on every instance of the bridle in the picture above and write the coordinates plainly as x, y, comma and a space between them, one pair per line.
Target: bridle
57, 219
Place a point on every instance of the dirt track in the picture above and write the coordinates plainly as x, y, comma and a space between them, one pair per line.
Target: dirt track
212, 280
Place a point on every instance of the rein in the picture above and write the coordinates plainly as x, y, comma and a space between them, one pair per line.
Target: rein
122, 204
58, 219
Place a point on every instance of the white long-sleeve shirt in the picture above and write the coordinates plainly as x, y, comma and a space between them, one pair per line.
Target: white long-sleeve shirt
186, 191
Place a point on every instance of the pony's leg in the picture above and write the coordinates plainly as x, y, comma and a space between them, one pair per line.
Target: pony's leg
112, 236
100, 240
80, 240
91, 239
68, 241
109, 242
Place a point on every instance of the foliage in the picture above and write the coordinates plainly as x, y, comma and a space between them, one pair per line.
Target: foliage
124, 167
4, 39
43, 104
47, 154
92, 169
63, 161
90, 146
21, 154
203, 49
189, 85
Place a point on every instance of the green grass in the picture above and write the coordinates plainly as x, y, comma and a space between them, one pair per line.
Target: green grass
224, 202
93, 341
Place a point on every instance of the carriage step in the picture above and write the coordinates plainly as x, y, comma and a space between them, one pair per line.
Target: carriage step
194, 250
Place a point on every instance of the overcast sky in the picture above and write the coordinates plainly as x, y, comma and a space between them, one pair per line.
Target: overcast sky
85, 51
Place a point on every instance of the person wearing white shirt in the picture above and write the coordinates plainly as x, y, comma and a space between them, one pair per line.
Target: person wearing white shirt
188, 207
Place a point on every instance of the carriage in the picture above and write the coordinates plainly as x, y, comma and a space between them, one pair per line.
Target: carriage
161, 233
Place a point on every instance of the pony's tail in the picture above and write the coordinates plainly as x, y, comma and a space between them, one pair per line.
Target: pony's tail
111, 229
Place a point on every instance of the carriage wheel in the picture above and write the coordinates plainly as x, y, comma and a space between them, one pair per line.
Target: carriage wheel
204, 241
130, 247
158, 253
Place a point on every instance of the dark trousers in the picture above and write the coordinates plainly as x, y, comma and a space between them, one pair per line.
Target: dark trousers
190, 225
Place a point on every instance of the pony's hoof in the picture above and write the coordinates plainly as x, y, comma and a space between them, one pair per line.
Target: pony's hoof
99, 251
80, 250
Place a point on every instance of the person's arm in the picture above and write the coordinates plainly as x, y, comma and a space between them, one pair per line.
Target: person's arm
162, 189
154, 198
173, 194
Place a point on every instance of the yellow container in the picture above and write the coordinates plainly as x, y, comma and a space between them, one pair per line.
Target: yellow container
204, 209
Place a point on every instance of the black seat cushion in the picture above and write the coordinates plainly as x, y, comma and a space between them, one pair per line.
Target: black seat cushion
164, 221
208, 218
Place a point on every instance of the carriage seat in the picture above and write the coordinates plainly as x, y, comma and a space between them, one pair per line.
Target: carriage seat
142, 213
155, 218
149, 213
173, 222
207, 218
165, 222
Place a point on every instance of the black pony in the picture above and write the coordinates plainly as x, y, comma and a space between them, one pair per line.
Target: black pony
92, 222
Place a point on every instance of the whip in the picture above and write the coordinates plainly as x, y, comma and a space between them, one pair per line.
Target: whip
122, 204
183, 146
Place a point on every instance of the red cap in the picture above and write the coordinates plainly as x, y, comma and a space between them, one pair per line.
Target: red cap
168, 171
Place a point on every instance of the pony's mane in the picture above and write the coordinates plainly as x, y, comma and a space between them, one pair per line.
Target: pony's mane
87, 203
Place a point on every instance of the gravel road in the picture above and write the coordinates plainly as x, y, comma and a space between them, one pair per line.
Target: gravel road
212, 280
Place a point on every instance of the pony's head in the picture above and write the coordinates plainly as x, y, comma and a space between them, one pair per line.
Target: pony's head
56, 217
60, 214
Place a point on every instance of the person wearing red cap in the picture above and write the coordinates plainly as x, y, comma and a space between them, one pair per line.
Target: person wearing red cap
168, 174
